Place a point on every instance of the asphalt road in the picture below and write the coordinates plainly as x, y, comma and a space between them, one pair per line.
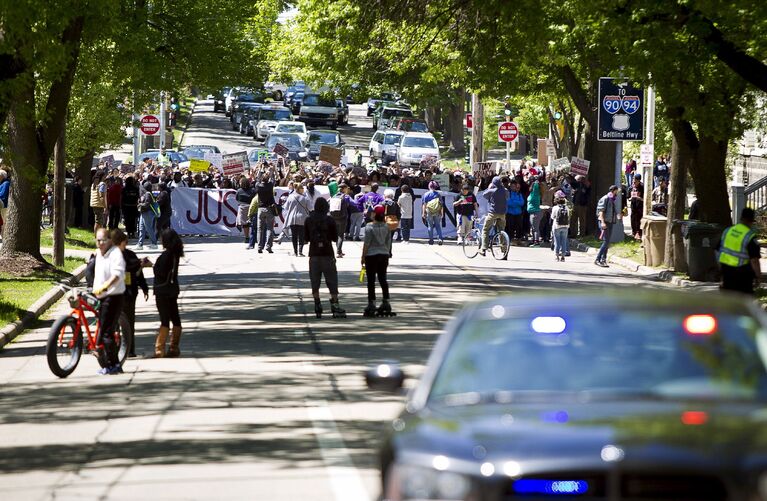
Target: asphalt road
267, 402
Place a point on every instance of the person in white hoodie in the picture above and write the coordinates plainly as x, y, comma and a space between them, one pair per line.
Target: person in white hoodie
109, 287
405, 203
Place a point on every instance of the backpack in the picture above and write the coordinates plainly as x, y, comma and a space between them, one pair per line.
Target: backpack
335, 206
434, 206
563, 216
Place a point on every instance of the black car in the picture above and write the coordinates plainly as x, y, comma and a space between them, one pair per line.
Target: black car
318, 138
295, 103
296, 148
239, 112
241, 98
248, 120
373, 102
219, 100
343, 112
593, 395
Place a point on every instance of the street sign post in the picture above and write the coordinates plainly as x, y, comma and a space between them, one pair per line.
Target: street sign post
469, 120
621, 111
150, 125
508, 132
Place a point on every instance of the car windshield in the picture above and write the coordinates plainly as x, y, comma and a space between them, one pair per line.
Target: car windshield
420, 142
653, 353
392, 138
289, 140
395, 112
194, 153
251, 98
323, 137
291, 128
414, 126
275, 115
316, 100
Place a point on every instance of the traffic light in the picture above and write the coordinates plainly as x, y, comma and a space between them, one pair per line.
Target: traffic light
507, 110
560, 123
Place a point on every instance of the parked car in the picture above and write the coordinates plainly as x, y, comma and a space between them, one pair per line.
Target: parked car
381, 120
343, 112
267, 120
293, 127
640, 395
296, 147
295, 103
172, 155
373, 102
317, 110
243, 96
249, 116
409, 124
318, 138
384, 144
199, 150
239, 112
219, 100
415, 146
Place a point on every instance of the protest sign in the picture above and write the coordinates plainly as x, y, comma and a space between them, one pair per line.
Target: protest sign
108, 160
214, 159
579, 166
127, 168
197, 165
560, 164
281, 150
331, 155
235, 163
443, 180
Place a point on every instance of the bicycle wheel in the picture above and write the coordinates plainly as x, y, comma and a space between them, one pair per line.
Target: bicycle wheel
65, 346
499, 245
471, 244
123, 338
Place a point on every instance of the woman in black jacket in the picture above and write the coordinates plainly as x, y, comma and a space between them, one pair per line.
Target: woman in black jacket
166, 292
134, 279
130, 206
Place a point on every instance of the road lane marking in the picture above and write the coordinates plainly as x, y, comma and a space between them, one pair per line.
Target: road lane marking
345, 480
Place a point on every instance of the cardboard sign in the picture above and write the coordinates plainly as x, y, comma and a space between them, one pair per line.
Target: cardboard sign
197, 165
443, 180
560, 164
108, 160
127, 168
281, 150
551, 150
214, 159
331, 155
543, 159
235, 163
579, 166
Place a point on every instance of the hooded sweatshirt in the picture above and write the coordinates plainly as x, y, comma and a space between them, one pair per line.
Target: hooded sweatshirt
496, 196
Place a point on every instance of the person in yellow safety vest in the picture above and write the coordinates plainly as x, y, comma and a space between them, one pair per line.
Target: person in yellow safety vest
739, 255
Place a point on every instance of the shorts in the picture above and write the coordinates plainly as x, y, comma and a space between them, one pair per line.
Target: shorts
98, 215
323, 265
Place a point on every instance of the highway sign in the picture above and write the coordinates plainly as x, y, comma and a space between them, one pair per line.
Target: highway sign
620, 111
508, 132
150, 125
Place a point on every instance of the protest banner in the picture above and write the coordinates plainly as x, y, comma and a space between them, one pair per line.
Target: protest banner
331, 155
234, 163
197, 165
214, 159
197, 211
579, 166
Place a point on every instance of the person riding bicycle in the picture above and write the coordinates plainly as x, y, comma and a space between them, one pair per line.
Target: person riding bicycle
109, 287
466, 208
497, 197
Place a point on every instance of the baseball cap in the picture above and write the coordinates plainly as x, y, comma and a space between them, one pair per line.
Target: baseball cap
379, 209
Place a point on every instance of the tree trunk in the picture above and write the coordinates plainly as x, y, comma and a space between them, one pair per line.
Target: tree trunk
477, 129
29, 166
457, 110
709, 177
681, 158
59, 208
601, 172
84, 166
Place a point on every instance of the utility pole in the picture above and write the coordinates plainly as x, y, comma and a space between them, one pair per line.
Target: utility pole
649, 140
136, 138
162, 120
59, 208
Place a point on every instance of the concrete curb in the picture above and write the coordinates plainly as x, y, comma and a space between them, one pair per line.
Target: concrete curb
663, 275
11, 331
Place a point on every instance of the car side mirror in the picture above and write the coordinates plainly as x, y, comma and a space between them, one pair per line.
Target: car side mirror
386, 376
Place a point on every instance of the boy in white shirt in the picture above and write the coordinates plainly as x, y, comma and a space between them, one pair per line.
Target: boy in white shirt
109, 286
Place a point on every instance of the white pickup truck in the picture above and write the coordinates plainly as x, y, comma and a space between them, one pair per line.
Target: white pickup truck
315, 110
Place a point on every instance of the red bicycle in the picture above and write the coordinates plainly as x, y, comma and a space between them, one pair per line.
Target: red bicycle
65, 339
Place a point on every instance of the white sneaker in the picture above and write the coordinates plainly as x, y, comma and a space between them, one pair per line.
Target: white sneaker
138, 247
152, 247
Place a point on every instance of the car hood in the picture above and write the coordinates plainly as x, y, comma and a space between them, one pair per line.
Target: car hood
560, 436
317, 109
418, 151
267, 123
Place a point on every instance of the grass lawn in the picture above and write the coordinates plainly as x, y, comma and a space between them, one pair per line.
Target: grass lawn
629, 248
18, 293
77, 239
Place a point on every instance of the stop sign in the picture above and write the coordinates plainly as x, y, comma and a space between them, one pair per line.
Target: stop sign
508, 131
150, 125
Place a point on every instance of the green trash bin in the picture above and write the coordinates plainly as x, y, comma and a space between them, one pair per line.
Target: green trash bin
702, 242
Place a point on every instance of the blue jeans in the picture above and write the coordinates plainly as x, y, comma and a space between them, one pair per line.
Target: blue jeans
265, 228
434, 222
146, 226
253, 230
602, 254
355, 225
560, 241
406, 225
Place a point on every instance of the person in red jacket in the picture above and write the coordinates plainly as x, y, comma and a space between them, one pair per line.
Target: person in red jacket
114, 201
